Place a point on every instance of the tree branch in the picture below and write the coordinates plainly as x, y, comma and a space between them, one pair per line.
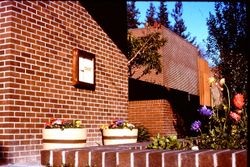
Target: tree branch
140, 50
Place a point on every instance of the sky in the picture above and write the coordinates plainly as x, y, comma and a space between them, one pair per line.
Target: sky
194, 16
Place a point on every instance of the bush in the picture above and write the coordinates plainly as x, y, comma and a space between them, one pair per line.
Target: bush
143, 134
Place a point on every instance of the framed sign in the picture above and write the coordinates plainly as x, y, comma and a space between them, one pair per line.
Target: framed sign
83, 69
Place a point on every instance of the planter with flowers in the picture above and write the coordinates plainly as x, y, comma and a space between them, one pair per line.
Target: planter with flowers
59, 133
119, 132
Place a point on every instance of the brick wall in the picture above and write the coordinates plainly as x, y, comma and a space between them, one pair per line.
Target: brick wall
162, 110
179, 62
36, 40
156, 115
151, 77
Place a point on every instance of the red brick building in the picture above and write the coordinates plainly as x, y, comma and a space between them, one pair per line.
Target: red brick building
176, 92
36, 42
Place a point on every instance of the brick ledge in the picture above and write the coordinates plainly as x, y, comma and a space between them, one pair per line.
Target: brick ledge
137, 155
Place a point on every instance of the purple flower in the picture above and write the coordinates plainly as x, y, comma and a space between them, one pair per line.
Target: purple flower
205, 111
119, 122
196, 126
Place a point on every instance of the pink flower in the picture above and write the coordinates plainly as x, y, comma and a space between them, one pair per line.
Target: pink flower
47, 124
57, 121
238, 100
235, 116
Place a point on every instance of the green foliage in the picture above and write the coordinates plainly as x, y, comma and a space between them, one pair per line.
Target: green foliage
227, 48
143, 134
223, 126
227, 42
132, 15
225, 133
143, 53
216, 140
179, 25
162, 16
227, 126
169, 142
150, 15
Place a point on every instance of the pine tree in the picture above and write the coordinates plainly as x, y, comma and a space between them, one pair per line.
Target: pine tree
228, 41
132, 15
162, 15
179, 26
150, 15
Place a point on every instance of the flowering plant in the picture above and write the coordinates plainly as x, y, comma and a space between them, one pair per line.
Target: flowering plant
62, 124
223, 126
119, 124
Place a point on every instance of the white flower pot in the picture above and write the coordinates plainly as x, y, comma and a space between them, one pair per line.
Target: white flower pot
67, 138
119, 136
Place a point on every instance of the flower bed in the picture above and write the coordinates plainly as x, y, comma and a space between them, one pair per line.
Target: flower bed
224, 125
220, 126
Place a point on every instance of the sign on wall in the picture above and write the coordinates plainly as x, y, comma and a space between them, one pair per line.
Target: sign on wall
83, 69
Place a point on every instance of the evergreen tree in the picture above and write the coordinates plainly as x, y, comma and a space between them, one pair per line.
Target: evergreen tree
162, 15
179, 25
227, 41
150, 15
132, 15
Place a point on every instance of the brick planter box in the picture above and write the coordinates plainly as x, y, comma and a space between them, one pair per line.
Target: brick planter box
136, 155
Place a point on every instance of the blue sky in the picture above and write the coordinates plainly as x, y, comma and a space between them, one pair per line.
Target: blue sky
194, 16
